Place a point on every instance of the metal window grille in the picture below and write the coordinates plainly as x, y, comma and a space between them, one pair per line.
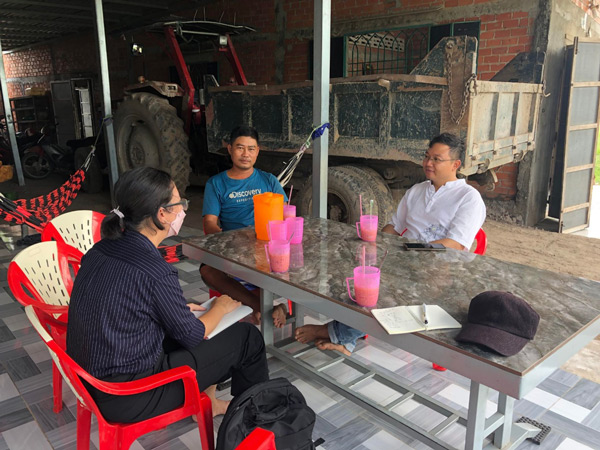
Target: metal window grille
389, 51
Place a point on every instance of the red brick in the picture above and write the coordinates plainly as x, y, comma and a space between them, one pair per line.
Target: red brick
512, 23
504, 33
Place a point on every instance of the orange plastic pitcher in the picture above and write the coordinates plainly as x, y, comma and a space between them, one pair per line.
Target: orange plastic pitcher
267, 206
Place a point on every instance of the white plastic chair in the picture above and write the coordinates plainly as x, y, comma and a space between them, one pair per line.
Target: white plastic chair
42, 275
79, 229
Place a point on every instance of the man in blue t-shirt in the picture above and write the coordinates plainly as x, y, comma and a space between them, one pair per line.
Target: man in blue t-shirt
228, 200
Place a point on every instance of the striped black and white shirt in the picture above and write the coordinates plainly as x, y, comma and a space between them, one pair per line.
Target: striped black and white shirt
125, 299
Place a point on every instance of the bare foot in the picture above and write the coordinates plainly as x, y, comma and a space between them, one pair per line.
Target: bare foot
219, 407
279, 313
309, 333
326, 344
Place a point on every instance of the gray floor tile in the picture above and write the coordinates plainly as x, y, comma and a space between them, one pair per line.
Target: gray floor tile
3, 444
564, 377
574, 430
341, 413
554, 387
173, 444
350, 435
6, 334
585, 393
13, 414
21, 368
552, 441
430, 384
48, 419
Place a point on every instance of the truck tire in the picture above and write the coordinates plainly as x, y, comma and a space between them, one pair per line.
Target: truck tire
386, 206
148, 132
343, 188
92, 184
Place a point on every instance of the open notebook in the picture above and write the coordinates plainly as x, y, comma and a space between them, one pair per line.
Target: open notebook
228, 319
408, 319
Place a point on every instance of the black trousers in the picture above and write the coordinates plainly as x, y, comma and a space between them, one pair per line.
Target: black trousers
237, 352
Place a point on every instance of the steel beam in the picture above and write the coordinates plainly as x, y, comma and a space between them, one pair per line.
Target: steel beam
9, 121
109, 132
322, 43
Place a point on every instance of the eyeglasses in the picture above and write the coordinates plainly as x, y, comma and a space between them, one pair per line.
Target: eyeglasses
435, 159
183, 202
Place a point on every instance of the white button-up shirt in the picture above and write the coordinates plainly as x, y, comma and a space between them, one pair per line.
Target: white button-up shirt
456, 211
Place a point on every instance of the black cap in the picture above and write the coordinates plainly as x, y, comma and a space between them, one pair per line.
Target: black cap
500, 321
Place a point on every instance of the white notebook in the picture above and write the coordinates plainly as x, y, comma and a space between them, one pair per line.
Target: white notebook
408, 319
228, 319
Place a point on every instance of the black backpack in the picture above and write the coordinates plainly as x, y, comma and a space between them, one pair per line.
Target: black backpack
275, 405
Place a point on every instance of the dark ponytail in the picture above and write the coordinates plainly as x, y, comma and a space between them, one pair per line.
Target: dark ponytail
139, 194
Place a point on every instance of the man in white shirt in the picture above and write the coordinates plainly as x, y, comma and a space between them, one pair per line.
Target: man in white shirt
444, 209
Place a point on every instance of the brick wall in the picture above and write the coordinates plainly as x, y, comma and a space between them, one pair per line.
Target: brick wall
502, 37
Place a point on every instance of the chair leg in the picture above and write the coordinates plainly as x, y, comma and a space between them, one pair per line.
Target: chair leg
205, 423
84, 423
57, 388
110, 438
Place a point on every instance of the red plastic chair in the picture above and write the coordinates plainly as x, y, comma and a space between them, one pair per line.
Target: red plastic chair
122, 435
480, 249
259, 439
41, 276
481, 240
79, 229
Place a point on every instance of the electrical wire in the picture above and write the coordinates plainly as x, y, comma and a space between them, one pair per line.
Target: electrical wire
286, 174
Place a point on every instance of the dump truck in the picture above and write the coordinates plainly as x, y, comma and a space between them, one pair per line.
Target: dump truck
379, 124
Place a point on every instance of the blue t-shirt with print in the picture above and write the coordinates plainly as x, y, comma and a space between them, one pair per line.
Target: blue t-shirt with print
231, 200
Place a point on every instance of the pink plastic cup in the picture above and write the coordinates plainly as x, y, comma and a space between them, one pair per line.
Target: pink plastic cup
278, 230
278, 255
289, 211
296, 226
366, 285
368, 227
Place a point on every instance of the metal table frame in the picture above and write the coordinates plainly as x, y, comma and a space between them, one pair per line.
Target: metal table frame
484, 375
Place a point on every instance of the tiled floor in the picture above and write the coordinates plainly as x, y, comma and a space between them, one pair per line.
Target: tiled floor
569, 404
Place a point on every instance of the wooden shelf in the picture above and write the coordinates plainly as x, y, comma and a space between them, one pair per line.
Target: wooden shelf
32, 111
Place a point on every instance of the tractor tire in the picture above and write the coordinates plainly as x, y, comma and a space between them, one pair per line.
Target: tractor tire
344, 186
92, 184
386, 207
148, 132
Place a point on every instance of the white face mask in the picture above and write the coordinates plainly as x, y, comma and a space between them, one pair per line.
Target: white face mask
175, 226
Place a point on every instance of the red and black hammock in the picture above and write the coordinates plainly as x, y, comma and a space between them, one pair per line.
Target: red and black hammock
37, 212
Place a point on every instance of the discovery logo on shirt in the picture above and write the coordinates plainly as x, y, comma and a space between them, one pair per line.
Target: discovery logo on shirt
242, 194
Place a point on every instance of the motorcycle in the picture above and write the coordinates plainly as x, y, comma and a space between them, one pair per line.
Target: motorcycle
25, 140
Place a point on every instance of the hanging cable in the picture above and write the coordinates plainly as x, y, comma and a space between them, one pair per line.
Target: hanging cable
286, 174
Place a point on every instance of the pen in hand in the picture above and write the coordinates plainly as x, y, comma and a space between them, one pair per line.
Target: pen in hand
425, 321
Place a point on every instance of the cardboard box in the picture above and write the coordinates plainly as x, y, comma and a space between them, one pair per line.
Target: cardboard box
35, 91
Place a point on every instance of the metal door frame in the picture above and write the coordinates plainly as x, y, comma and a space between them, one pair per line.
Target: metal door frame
568, 129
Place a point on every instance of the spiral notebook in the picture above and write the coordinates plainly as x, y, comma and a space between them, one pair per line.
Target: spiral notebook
228, 319
408, 319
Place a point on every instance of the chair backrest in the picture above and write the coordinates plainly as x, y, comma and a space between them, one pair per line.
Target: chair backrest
68, 368
481, 240
42, 273
80, 229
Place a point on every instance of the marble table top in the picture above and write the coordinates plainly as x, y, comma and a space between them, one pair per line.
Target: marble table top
330, 250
